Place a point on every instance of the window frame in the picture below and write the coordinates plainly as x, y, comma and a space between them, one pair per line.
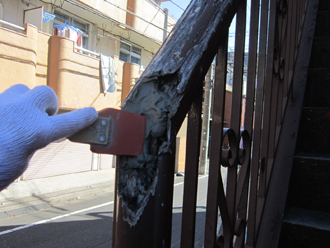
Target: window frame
73, 21
131, 52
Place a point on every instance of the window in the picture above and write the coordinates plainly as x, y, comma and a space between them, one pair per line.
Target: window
60, 20
130, 53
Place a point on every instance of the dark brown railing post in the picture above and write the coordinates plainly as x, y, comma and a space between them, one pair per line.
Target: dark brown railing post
191, 173
235, 121
257, 125
154, 227
216, 194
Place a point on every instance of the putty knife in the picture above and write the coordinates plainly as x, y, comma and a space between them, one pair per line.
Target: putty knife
116, 132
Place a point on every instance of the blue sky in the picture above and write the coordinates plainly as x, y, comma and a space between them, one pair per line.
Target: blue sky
175, 7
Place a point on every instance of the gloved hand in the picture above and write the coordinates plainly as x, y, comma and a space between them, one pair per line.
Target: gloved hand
28, 122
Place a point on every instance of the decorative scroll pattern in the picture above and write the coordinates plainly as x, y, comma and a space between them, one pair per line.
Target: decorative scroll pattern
235, 208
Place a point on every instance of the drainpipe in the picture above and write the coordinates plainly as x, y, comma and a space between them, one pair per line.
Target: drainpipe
165, 24
94, 37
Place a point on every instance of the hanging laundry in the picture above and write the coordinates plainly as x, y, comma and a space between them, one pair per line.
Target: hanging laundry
70, 32
46, 16
79, 40
59, 32
107, 67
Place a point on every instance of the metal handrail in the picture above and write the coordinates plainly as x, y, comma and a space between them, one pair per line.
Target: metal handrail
11, 25
87, 51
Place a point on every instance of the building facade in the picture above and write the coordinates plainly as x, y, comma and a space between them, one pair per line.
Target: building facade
63, 44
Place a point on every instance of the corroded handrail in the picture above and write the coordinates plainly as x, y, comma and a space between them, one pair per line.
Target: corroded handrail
164, 93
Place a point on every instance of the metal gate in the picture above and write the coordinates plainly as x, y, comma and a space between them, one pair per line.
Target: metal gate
273, 70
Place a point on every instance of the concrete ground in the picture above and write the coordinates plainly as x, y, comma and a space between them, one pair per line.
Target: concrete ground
27, 197
31, 195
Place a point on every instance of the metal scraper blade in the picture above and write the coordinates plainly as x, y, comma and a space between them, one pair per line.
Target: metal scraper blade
115, 132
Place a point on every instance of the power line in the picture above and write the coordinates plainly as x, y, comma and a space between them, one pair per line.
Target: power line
111, 37
177, 5
132, 13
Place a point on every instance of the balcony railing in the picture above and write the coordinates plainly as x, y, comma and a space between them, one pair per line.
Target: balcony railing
12, 25
87, 52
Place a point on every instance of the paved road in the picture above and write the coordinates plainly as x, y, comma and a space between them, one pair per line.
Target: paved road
85, 222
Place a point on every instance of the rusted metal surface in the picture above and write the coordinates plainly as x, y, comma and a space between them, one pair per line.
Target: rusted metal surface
274, 206
257, 123
236, 117
154, 228
266, 101
216, 193
164, 94
266, 162
235, 214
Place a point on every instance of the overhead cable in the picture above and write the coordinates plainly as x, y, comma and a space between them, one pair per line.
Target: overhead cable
98, 13
110, 36
132, 13
113, 37
177, 5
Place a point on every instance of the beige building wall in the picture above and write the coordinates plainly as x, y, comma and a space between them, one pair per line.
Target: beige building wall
109, 7
130, 76
149, 12
13, 12
42, 59
104, 35
146, 10
33, 58
106, 46
18, 57
180, 162
73, 76
119, 67
181, 140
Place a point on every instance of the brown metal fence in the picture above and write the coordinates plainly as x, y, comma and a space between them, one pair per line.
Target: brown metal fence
271, 59
275, 28
264, 81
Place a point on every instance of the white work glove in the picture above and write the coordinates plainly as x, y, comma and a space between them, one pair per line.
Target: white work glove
28, 122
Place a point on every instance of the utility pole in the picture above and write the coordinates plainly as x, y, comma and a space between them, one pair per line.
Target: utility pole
206, 121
